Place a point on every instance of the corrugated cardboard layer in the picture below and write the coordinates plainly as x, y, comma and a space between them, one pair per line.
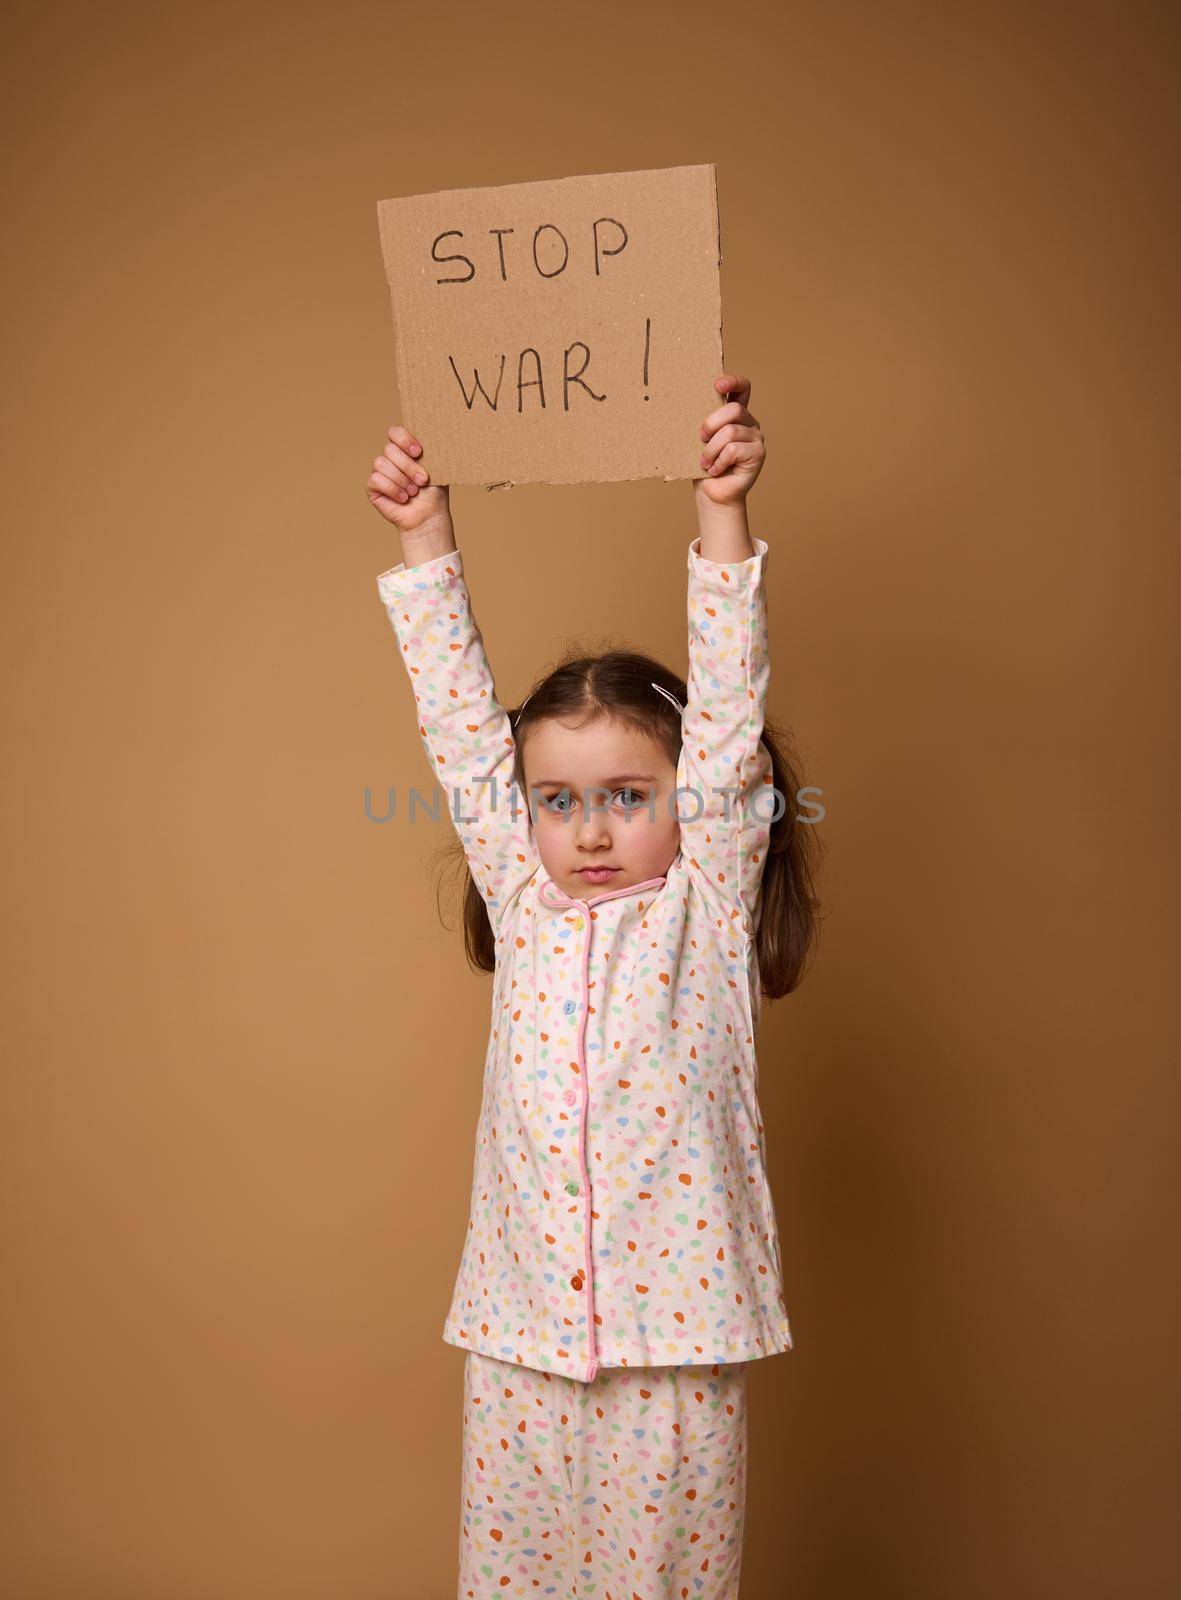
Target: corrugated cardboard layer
567, 331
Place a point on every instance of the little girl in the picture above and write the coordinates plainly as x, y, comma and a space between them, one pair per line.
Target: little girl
621, 1265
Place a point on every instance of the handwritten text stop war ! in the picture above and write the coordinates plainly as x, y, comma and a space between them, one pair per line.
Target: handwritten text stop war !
550, 255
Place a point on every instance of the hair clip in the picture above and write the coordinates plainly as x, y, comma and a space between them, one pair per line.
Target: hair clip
670, 697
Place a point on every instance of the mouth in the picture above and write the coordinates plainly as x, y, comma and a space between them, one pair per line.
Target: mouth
597, 874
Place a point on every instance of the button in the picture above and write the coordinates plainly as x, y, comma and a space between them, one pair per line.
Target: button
571, 1187
570, 1096
576, 1281
570, 1008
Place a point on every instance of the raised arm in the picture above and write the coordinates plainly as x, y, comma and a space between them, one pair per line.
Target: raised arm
726, 804
463, 727
730, 804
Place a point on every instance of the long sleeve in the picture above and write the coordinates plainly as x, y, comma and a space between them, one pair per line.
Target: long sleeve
725, 835
464, 729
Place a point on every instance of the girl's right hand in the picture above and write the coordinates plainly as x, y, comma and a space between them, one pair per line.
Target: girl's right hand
400, 486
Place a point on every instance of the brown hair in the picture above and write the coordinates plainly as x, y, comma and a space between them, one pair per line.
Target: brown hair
618, 683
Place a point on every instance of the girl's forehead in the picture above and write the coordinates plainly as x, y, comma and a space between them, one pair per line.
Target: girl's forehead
609, 747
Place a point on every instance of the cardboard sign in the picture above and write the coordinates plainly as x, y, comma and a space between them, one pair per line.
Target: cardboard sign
567, 331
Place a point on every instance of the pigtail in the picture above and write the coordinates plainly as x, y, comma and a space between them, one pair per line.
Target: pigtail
789, 910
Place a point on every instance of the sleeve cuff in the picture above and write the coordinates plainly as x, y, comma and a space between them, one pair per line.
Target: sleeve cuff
728, 575
399, 581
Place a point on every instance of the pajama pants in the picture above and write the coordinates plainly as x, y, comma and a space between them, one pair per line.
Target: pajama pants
632, 1487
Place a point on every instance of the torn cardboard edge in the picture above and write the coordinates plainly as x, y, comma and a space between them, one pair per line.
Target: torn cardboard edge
509, 484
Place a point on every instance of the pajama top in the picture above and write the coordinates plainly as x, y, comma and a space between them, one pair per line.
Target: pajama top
620, 1210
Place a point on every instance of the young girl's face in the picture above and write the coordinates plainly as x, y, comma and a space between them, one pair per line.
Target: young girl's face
600, 795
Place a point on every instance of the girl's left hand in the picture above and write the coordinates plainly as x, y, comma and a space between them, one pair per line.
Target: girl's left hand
733, 451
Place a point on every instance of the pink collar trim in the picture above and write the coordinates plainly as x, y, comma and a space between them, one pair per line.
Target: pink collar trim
557, 899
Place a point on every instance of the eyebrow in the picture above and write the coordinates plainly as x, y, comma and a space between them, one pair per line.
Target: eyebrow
608, 783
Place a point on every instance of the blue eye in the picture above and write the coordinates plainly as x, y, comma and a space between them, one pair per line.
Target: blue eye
551, 802
639, 800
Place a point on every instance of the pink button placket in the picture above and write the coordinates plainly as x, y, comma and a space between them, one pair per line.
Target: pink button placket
557, 899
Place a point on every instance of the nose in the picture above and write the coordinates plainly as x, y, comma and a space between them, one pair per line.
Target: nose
591, 827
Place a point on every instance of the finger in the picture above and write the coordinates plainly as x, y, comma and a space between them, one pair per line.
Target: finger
395, 474
392, 471
737, 452
386, 483
727, 457
388, 508
723, 437
727, 413
402, 436
414, 473
734, 387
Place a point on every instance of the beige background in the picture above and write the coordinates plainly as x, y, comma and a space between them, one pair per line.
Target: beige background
243, 1058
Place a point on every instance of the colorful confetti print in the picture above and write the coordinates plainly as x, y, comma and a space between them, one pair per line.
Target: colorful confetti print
631, 1487
620, 1210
